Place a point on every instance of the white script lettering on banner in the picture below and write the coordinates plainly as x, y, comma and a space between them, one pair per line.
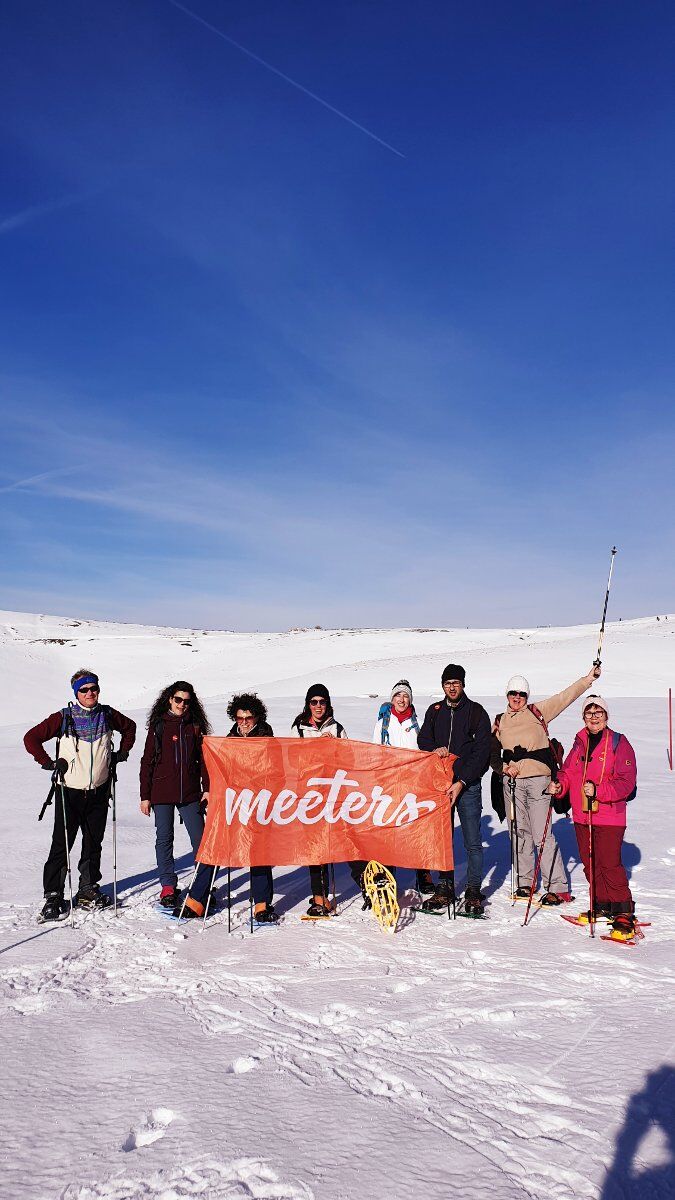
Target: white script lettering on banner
318, 804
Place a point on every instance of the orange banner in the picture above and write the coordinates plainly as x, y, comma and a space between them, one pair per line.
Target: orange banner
297, 802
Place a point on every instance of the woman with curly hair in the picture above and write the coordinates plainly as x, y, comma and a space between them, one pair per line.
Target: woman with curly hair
250, 720
173, 777
249, 715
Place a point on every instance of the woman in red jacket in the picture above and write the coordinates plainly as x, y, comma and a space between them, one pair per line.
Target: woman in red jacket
173, 777
600, 775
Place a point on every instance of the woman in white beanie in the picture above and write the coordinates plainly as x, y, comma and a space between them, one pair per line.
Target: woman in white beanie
528, 761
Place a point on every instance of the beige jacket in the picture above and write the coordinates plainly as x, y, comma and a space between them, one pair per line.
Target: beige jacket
523, 729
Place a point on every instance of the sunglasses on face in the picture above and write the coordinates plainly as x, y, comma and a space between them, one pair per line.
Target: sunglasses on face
244, 720
522, 695
317, 703
180, 700
86, 691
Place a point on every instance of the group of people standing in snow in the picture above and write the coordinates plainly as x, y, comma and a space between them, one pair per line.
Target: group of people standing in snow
597, 779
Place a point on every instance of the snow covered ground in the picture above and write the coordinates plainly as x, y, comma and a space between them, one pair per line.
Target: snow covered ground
456, 1059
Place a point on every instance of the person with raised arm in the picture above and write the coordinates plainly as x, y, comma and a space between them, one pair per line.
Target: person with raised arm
318, 720
528, 762
82, 773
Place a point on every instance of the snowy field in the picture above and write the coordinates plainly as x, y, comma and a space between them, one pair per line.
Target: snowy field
454, 1059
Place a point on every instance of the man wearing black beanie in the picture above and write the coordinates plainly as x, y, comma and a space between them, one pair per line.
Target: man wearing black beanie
457, 725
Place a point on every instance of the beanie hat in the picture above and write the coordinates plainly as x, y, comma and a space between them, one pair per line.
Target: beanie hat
402, 686
588, 700
452, 671
518, 683
317, 689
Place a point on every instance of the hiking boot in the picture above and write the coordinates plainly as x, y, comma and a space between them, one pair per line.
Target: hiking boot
92, 897
425, 884
54, 908
443, 897
473, 902
553, 899
623, 927
522, 893
266, 916
169, 897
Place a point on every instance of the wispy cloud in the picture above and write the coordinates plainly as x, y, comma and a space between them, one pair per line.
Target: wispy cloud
20, 484
34, 211
287, 78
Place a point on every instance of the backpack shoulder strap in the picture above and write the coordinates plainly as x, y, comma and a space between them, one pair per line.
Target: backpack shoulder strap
474, 717
158, 730
540, 717
616, 738
385, 717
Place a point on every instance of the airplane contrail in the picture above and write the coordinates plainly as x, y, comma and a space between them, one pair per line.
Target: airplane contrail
293, 82
20, 483
16, 220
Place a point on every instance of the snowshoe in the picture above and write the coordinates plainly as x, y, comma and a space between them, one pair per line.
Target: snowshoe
436, 905
92, 897
522, 893
266, 916
425, 884
624, 928
379, 886
319, 912
54, 908
473, 904
169, 897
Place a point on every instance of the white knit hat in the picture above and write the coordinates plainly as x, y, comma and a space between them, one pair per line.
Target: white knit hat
598, 700
402, 686
518, 683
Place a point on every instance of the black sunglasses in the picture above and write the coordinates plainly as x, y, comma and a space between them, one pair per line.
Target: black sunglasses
84, 691
523, 695
180, 700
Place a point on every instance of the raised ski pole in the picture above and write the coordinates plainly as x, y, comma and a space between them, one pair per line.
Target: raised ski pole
537, 862
250, 897
65, 836
597, 659
670, 728
229, 900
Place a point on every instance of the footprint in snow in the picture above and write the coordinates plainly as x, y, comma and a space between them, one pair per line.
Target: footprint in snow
153, 1127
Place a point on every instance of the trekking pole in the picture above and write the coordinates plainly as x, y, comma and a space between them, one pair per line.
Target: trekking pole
537, 861
229, 900
513, 835
113, 801
670, 728
591, 872
65, 835
185, 897
250, 897
596, 662
331, 869
208, 897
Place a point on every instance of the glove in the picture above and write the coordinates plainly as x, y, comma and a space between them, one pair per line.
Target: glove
59, 767
120, 756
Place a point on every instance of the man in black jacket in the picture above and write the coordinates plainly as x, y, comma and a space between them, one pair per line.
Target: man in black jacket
457, 725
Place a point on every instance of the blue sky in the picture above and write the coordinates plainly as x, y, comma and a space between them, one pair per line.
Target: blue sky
388, 341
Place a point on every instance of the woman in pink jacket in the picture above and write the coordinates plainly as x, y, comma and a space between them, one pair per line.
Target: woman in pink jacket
600, 775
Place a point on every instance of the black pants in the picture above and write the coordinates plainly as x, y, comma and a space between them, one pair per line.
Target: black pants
86, 811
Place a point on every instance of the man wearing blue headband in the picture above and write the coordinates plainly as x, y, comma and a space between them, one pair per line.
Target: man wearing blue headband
83, 767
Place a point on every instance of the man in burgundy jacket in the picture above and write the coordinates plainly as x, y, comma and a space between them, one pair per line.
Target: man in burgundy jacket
82, 771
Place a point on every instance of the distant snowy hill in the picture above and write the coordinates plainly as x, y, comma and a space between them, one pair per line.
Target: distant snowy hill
37, 653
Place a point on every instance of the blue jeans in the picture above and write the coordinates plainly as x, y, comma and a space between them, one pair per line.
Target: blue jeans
469, 808
194, 823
